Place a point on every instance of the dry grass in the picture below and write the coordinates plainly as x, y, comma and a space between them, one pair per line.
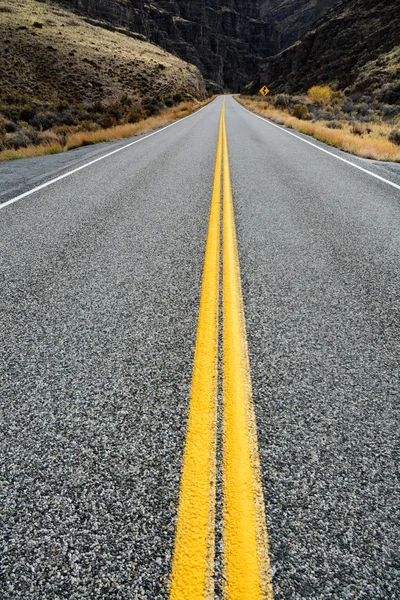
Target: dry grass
85, 138
31, 151
373, 144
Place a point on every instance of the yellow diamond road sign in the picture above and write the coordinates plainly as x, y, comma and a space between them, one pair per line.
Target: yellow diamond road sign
264, 90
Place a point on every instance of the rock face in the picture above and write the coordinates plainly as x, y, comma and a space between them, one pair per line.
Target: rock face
226, 39
323, 5
352, 34
294, 18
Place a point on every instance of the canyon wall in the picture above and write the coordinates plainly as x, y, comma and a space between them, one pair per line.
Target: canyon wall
341, 51
226, 39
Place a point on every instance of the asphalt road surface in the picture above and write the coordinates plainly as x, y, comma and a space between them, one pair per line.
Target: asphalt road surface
101, 276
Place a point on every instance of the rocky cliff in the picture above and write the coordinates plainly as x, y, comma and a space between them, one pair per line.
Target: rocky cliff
226, 39
353, 34
293, 18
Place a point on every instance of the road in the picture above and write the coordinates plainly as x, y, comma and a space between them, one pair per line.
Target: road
101, 279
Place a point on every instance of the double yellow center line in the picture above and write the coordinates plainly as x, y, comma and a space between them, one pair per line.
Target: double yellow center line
245, 543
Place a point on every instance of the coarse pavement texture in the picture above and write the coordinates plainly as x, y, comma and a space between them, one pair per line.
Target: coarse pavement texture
100, 286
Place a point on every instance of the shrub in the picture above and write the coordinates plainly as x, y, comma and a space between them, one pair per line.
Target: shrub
281, 100
125, 100
300, 111
45, 120
314, 111
358, 129
82, 115
21, 140
320, 94
394, 137
50, 137
152, 106
62, 130
136, 115
348, 107
32, 134
337, 98
389, 93
389, 110
363, 109
42, 121
116, 110
108, 121
20, 100
334, 125
96, 107
2, 136
356, 97
10, 99
86, 125
364, 119
27, 113
62, 105
63, 118
30, 142
10, 126
328, 115
179, 97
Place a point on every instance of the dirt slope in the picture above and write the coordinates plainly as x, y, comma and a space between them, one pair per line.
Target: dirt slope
48, 54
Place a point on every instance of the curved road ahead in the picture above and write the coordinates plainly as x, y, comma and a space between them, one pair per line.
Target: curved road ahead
101, 276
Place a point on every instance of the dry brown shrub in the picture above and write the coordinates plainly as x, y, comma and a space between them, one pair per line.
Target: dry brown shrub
300, 111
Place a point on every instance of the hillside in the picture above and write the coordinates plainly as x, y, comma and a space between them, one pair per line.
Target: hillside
226, 39
353, 48
49, 54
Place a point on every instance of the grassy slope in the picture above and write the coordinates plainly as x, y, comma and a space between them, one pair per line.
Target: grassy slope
67, 59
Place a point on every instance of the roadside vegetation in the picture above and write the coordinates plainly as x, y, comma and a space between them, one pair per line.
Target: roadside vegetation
65, 82
355, 123
26, 141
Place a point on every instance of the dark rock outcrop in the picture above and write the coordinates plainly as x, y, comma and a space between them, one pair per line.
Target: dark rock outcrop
294, 18
352, 34
226, 39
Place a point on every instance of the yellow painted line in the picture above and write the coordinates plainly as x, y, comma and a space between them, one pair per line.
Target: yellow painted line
193, 560
246, 558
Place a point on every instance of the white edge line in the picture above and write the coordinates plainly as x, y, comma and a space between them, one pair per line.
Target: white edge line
47, 183
319, 148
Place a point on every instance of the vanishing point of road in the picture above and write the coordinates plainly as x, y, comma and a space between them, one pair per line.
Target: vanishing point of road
199, 380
